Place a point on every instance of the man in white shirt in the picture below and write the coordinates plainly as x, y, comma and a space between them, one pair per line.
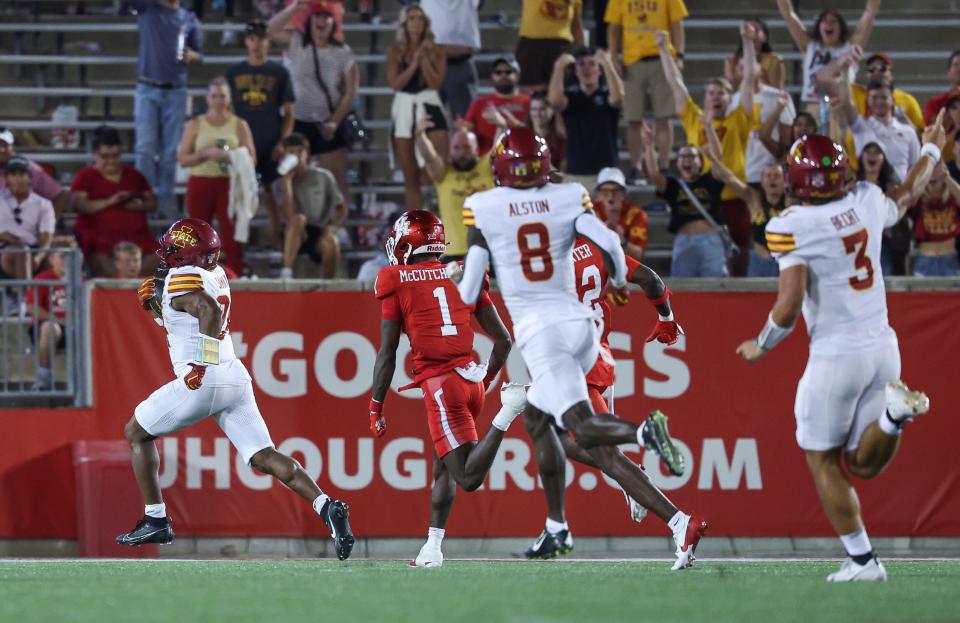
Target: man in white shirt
899, 139
456, 25
26, 219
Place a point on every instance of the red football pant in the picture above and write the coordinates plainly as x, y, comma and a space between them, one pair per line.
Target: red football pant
453, 404
208, 197
597, 401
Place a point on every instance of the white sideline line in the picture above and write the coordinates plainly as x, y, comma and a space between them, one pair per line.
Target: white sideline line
6, 561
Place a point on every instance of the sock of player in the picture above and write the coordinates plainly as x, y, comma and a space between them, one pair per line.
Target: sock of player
319, 503
553, 527
640, 429
676, 522
286, 272
858, 546
156, 511
504, 418
435, 537
889, 425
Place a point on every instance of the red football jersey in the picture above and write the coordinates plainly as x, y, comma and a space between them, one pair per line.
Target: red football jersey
428, 306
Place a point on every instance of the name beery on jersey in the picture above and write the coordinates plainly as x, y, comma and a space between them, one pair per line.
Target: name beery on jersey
845, 219
541, 206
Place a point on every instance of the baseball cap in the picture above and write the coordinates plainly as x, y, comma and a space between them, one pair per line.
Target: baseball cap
256, 27
506, 60
880, 56
611, 175
6, 135
16, 163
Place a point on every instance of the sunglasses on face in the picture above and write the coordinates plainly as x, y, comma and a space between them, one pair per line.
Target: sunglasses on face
876, 68
502, 72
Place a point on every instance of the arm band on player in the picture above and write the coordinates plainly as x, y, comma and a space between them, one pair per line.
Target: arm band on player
598, 233
208, 351
663, 299
474, 269
376, 406
930, 151
771, 334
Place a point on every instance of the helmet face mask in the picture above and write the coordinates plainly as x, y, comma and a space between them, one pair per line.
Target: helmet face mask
190, 242
520, 159
415, 232
816, 169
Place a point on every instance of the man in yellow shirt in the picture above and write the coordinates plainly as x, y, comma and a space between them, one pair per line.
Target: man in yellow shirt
731, 131
879, 66
548, 28
632, 28
463, 173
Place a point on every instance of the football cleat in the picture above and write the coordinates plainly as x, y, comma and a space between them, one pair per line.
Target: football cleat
850, 571
656, 437
904, 403
549, 545
430, 557
687, 536
148, 530
336, 515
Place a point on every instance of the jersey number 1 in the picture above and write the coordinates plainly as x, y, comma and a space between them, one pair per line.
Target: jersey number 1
539, 250
857, 243
447, 328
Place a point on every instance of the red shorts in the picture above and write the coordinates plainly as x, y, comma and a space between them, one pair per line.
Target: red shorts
602, 372
453, 403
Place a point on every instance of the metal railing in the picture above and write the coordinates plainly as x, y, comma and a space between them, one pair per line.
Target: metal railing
23, 338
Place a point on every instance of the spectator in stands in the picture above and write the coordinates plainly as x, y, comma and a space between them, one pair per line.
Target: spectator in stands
204, 148
719, 117
27, 221
632, 27
590, 107
127, 260
462, 173
112, 201
513, 105
456, 24
415, 71
170, 38
936, 226
325, 81
262, 95
549, 126
698, 249
873, 167
629, 221
313, 209
771, 72
47, 306
803, 125
548, 29
935, 103
42, 183
879, 66
829, 38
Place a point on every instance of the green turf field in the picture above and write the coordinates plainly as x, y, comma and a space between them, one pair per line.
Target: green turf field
277, 591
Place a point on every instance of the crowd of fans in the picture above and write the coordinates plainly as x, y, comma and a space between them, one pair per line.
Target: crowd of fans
287, 129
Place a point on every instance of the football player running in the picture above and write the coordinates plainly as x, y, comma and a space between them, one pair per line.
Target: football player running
592, 280
417, 297
194, 308
850, 406
527, 227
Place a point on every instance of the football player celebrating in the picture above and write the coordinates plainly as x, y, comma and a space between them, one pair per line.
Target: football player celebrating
527, 227
194, 308
850, 404
418, 298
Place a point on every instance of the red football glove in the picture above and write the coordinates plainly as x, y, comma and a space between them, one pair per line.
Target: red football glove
147, 292
378, 423
666, 332
194, 378
618, 296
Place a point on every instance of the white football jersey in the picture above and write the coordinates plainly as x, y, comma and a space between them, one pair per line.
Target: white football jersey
182, 328
530, 234
845, 305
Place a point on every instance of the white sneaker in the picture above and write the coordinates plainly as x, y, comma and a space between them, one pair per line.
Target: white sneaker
430, 557
687, 536
904, 403
850, 571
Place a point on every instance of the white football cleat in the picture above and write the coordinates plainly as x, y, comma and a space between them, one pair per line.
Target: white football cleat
850, 571
637, 510
514, 395
687, 536
430, 557
904, 403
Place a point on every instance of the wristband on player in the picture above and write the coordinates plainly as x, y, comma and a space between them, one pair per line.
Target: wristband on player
930, 151
667, 318
663, 298
376, 406
208, 351
771, 334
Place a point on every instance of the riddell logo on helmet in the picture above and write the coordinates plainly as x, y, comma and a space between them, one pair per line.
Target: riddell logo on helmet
183, 237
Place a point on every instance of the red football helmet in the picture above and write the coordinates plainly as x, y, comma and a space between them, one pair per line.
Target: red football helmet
190, 242
816, 168
416, 231
520, 159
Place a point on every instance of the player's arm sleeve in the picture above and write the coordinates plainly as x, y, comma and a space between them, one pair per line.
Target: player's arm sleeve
589, 226
184, 283
782, 244
474, 273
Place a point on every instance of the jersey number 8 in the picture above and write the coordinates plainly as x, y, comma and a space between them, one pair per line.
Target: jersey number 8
533, 240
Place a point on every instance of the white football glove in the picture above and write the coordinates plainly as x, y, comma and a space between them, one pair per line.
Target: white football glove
514, 396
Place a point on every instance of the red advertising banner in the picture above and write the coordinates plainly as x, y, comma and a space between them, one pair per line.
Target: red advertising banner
311, 355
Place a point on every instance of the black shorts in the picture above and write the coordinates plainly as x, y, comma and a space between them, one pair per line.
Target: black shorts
318, 144
266, 167
536, 58
309, 246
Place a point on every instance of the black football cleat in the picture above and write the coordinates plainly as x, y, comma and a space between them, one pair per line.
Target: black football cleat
336, 515
550, 545
656, 437
148, 530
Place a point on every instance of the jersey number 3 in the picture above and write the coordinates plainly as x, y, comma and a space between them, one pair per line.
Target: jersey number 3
856, 243
533, 240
